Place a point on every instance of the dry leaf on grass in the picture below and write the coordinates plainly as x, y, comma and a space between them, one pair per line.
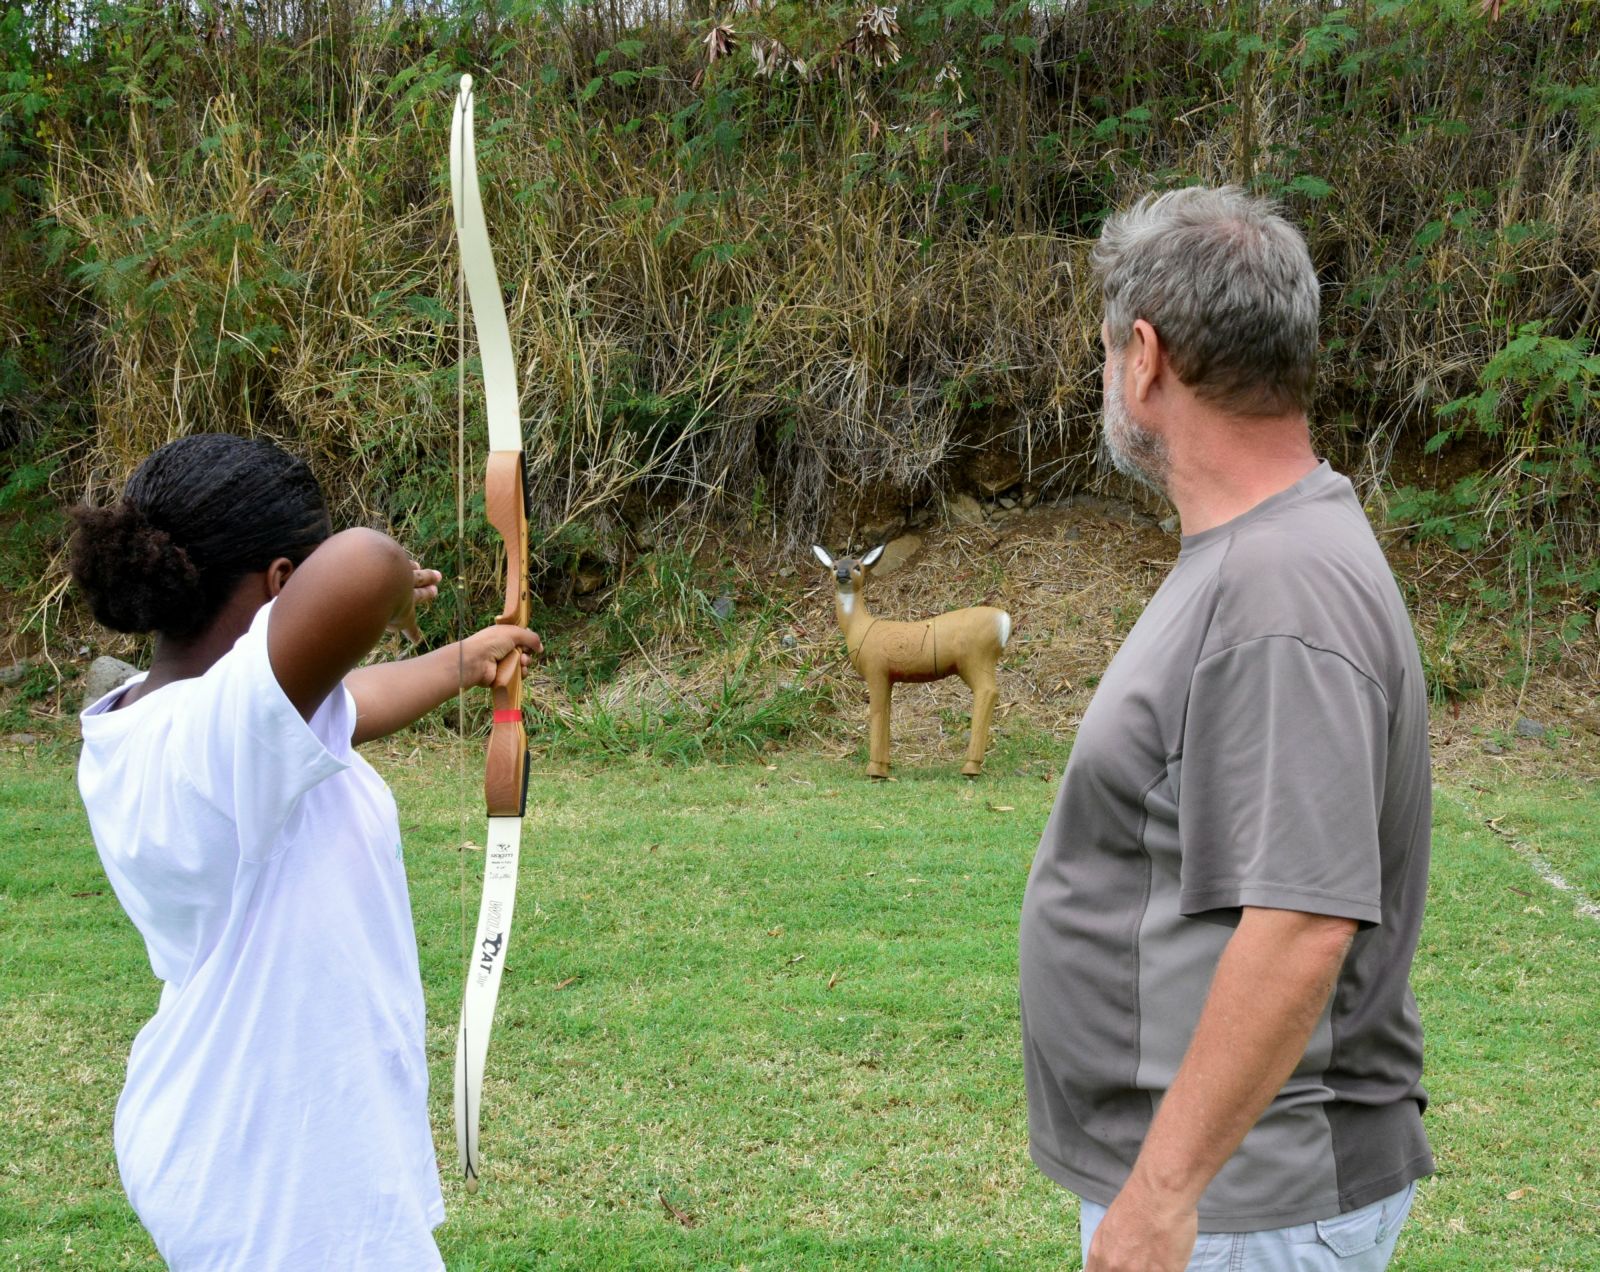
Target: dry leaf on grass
676, 1213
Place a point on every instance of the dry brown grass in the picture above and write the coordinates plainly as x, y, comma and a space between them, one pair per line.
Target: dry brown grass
779, 300
865, 275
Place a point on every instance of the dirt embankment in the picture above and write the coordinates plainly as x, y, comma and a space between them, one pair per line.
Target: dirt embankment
1074, 576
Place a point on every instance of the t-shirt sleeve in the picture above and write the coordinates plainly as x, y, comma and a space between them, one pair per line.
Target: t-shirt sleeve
246, 749
1284, 755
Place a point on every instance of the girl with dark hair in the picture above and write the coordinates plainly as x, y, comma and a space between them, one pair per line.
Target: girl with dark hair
275, 1111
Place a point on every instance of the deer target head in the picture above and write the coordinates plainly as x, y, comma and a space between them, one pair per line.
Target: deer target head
849, 573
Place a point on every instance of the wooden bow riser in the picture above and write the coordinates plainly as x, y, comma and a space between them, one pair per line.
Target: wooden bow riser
505, 783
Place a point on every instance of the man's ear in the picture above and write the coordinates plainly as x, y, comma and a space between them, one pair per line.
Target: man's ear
1145, 359
871, 559
827, 561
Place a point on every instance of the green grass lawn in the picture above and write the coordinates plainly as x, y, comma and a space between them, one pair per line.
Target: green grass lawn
784, 1001
1560, 820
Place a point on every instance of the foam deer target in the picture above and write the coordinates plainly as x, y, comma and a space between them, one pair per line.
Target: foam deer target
964, 642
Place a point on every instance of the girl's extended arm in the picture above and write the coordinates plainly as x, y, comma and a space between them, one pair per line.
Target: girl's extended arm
391, 695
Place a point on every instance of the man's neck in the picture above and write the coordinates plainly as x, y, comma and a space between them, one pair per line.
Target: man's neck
1222, 469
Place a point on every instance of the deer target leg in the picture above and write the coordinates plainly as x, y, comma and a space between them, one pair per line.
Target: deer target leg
878, 731
984, 696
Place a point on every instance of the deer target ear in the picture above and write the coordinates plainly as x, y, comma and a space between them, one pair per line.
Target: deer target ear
827, 561
871, 559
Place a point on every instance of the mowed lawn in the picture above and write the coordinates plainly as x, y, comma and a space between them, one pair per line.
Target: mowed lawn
765, 1016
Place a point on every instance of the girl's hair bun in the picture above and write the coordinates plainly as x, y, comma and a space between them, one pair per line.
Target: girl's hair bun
195, 518
136, 578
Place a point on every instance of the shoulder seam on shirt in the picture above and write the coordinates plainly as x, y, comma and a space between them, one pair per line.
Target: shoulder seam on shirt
181, 772
1144, 908
1301, 640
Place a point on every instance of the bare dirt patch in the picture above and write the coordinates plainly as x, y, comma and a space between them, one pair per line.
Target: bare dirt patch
1073, 575
1076, 576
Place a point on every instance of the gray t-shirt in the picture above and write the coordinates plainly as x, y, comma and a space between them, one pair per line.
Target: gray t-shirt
1261, 739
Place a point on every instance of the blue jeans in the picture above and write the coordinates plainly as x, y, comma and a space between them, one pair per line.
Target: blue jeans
1357, 1241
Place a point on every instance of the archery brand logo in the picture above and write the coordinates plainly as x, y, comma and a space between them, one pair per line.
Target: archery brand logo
489, 952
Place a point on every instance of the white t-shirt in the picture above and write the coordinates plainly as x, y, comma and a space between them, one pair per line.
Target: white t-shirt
276, 1110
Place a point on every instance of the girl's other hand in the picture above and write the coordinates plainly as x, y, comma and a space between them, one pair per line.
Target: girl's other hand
424, 588
424, 584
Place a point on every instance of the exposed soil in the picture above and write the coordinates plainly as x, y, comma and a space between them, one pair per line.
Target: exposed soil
1074, 576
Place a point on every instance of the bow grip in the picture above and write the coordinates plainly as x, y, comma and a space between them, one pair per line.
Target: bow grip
505, 779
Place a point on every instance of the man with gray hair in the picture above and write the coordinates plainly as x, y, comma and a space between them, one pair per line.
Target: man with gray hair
1222, 1052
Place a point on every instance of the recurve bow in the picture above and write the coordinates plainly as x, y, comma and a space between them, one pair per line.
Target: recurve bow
505, 782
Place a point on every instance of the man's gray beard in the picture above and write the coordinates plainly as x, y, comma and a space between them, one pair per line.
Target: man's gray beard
1133, 451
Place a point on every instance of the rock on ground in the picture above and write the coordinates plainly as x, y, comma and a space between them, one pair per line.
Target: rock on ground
105, 674
896, 553
964, 510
